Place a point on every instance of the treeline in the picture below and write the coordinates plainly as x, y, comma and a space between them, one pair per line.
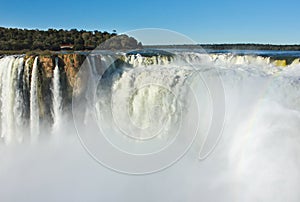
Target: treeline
268, 47
12, 39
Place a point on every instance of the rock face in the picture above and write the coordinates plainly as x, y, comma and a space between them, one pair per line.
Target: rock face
69, 65
47, 63
280, 63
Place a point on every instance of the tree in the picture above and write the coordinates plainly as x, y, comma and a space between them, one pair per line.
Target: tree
78, 44
52, 39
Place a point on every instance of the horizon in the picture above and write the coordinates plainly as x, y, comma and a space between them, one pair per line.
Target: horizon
197, 101
180, 44
219, 22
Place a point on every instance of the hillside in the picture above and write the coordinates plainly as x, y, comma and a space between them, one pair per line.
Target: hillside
23, 40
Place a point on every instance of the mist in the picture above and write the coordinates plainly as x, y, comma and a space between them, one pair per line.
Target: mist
256, 158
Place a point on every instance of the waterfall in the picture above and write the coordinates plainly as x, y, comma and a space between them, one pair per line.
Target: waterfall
7, 99
28, 100
56, 98
145, 108
19, 107
11, 70
34, 105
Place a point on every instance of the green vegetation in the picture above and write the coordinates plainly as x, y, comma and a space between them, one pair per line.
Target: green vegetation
121, 42
267, 47
16, 41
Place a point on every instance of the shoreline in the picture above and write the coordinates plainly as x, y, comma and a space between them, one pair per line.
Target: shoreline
237, 46
207, 47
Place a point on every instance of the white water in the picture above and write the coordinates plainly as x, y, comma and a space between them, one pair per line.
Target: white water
57, 99
257, 158
6, 100
34, 105
18, 105
11, 100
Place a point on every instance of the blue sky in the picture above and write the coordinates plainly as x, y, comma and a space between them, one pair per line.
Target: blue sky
209, 21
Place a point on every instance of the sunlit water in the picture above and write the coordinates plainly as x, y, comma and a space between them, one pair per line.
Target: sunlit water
256, 159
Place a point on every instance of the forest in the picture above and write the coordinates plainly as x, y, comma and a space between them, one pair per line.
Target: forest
238, 46
13, 39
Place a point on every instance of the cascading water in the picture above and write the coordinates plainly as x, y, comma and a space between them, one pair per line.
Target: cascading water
57, 99
20, 82
19, 105
34, 105
7, 99
145, 101
259, 136
257, 157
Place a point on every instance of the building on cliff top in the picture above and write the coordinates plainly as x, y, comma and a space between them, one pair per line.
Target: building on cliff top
66, 46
